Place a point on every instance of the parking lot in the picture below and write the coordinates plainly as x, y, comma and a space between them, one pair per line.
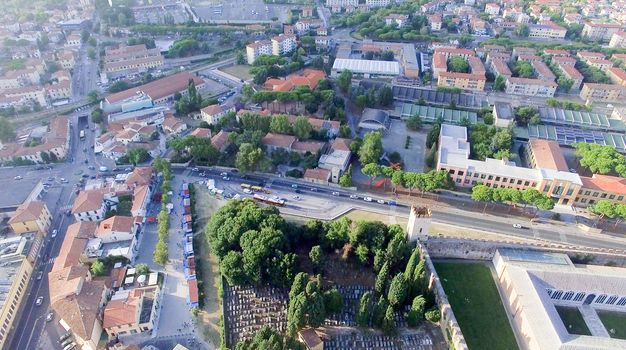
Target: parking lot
166, 13
239, 11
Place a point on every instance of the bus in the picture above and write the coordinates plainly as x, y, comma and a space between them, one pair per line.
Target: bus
255, 188
82, 134
267, 200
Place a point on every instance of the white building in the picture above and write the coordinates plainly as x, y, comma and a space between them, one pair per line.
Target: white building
89, 206
258, 48
534, 284
283, 44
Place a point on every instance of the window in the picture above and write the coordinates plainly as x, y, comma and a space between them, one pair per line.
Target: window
497, 178
519, 182
620, 198
546, 188
579, 296
612, 196
568, 296
587, 193
511, 181
482, 176
600, 299
595, 194
490, 177
570, 191
557, 295
583, 200
461, 172
458, 181
603, 195
469, 173
451, 171
526, 183
612, 300
622, 301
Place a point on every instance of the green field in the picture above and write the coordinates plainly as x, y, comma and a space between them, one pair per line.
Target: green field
573, 320
477, 306
241, 71
614, 322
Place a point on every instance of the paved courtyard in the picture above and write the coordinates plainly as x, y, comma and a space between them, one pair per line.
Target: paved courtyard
239, 11
176, 320
395, 140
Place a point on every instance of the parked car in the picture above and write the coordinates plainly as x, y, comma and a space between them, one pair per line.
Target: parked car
49, 316
18, 177
195, 169
39, 301
335, 193
294, 186
54, 233
380, 201
517, 226
367, 199
353, 196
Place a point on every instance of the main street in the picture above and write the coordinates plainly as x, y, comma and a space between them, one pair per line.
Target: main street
568, 235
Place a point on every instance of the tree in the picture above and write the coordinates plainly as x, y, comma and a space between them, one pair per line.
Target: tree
458, 64
248, 158
389, 322
372, 170
345, 180
91, 53
7, 130
302, 128
333, 301
96, 116
385, 96
298, 285
482, 193
364, 312
379, 311
241, 59
601, 159
381, 279
278, 124
344, 81
142, 269
433, 315
337, 233
317, 257
137, 156
160, 255
416, 314
524, 114
397, 291
372, 148
499, 83
522, 31
92, 97
98, 268
524, 69
414, 122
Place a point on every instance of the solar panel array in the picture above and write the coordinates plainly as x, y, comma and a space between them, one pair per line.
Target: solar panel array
414, 94
429, 113
569, 117
568, 136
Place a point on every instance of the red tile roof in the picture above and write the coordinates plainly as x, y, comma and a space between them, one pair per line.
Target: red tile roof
159, 88
548, 155
317, 174
605, 183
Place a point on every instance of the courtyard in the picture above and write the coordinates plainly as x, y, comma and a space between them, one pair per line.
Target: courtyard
239, 11
477, 306
614, 322
410, 145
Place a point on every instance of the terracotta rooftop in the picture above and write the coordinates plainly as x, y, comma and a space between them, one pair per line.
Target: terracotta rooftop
88, 201
115, 223
141, 175
74, 243
618, 72
278, 140
605, 183
317, 174
548, 155
218, 141
201, 132
27, 211
341, 144
159, 88
81, 311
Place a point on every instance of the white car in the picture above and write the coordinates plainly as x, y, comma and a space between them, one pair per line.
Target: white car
517, 225
380, 201
353, 196
195, 169
367, 199
54, 233
226, 178
247, 190
49, 317
39, 301
335, 193
18, 177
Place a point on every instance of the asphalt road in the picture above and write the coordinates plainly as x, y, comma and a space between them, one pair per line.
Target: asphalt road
502, 225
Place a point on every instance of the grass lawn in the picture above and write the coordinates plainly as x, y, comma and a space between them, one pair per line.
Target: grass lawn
614, 322
573, 320
476, 303
241, 71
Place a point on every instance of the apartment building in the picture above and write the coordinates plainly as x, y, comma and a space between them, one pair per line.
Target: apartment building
546, 30
378, 3
283, 44
125, 60
542, 71
26, 94
213, 113
133, 311
570, 72
31, 216
617, 75
562, 60
587, 56
530, 87
600, 31
465, 81
556, 53
492, 9
435, 21
499, 67
258, 48
599, 187
89, 206
602, 92
453, 157
448, 52
618, 40
16, 268
342, 3
440, 64
54, 144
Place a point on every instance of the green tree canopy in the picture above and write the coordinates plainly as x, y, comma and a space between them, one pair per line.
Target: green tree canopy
601, 159
371, 148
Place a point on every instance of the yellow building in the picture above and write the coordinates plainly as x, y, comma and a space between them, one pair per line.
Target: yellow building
31, 217
602, 92
465, 81
15, 272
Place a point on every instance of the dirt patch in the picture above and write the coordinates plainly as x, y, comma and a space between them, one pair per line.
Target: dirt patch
240, 71
338, 271
358, 215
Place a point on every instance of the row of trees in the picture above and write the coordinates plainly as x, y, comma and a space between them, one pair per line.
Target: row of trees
607, 209
601, 159
380, 97
197, 149
309, 304
160, 255
266, 66
511, 196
